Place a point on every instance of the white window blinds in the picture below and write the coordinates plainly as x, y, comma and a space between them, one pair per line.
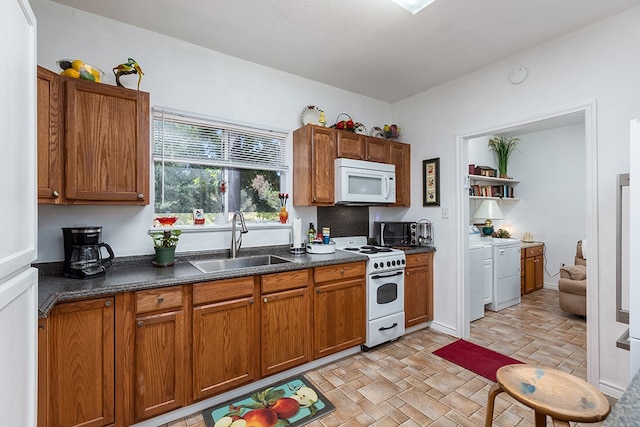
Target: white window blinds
183, 138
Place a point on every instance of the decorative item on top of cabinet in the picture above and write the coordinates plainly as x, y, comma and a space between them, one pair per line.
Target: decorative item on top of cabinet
339, 308
418, 289
225, 336
314, 152
104, 143
129, 67
285, 300
76, 364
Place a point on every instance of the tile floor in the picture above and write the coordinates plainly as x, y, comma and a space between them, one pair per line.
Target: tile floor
404, 384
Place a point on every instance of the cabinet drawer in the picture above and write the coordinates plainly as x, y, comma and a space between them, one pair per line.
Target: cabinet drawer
536, 250
158, 299
330, 273
222, 290
419, 260
283, 281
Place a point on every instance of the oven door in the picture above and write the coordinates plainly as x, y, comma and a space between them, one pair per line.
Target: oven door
386, 294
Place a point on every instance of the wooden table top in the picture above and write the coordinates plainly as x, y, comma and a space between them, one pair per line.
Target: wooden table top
555, 393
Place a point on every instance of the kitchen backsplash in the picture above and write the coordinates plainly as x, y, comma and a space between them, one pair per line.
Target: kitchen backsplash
344, 220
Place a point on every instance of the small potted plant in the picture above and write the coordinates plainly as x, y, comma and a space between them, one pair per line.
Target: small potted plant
165, 243
503, 146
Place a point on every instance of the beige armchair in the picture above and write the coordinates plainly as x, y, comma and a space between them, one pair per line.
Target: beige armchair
572, 285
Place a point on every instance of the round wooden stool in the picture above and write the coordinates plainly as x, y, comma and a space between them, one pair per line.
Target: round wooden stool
547, 391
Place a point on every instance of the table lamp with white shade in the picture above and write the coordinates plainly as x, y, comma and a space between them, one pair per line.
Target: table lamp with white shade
488, 211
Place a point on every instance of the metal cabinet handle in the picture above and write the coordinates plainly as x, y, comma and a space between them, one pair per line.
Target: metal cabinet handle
140, 196
140, 323
107, 304
160, 300
318, 291
250, 301
342, 271
266, 300
55, 193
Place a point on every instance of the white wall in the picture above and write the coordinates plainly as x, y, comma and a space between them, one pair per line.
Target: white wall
186, 77
550, 166
596, 63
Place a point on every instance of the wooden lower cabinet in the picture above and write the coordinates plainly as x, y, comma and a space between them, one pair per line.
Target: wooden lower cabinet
224, 336
286, 321
76, 362
339, 308
160, 358
533, 260
418, 289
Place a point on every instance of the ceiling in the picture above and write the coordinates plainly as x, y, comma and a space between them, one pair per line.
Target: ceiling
370, 47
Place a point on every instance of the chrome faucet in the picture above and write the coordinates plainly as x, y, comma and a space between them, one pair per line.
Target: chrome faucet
236, 243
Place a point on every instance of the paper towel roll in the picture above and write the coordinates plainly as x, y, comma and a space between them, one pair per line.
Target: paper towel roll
297, 233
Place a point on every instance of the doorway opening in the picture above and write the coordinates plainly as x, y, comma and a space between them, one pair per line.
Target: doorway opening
551, 146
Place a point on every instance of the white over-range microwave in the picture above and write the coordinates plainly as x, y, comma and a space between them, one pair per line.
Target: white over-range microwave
360, 182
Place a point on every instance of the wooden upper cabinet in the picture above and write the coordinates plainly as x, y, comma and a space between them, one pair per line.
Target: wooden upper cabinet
50, 133
106, 144
93, 142
377, 150
400, 156
314, 153
351, 145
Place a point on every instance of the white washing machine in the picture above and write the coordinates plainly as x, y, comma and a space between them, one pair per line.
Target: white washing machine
480, 273
506, 273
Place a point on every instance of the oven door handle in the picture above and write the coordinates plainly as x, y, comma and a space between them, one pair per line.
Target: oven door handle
379, 276
385, 328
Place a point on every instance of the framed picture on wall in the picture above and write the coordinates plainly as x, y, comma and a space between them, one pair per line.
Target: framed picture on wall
431, 182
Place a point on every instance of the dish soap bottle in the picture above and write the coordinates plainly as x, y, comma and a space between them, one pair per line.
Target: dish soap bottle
312, 233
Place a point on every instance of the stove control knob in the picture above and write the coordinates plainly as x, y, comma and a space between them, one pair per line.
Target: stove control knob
393, 262
388, 264
403, 262
375, 265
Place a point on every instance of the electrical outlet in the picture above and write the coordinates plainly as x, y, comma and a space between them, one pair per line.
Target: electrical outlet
445, 213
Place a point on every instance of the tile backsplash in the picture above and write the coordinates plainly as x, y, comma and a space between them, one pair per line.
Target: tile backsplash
344, 220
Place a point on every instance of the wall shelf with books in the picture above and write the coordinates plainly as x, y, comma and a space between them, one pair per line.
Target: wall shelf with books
485, 187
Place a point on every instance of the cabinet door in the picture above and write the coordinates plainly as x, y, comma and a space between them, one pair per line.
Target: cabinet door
80, 363
339, 316
159, 364
323, 154
224, 346
529, 274
50, 133
400, 156
377, 150
286, 330
314, 153
350, 145
488, 280
418, 289
106, 144
539, 272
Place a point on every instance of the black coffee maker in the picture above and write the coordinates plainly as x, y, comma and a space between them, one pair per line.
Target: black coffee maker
83, 252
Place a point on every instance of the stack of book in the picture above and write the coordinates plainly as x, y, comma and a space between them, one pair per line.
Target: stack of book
502, 191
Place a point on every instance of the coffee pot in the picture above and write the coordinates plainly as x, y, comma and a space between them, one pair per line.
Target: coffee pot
83, 255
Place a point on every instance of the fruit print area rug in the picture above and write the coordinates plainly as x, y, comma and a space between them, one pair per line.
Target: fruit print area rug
292, 402
475, 358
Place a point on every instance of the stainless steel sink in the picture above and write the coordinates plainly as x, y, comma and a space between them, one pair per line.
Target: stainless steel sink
213, 265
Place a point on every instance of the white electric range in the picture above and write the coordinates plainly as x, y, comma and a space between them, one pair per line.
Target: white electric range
385, 289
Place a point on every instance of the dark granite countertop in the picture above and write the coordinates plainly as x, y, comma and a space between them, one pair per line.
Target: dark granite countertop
138, 273
626, 412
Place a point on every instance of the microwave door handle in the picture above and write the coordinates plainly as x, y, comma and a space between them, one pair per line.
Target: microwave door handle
387, 187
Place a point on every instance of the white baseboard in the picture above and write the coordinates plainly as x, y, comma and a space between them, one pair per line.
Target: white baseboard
610, 390
445, 329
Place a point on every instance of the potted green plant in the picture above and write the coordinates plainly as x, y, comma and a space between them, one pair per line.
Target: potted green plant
503, 146
165, 243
